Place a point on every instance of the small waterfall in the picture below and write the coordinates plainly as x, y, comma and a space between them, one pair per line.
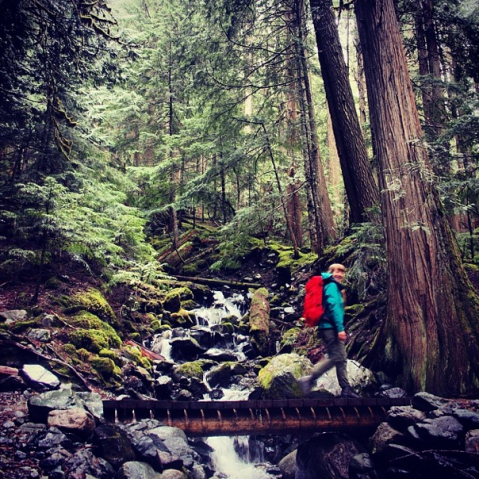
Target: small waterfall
233, 457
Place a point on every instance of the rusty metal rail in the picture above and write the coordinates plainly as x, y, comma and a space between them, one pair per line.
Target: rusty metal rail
226, 418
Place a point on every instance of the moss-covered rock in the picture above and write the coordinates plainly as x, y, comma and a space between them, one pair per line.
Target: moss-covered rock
183, 319
173, 299
91, 300
277, 378
113, 355
192, 369
135, 354
88, 321
105, 367
91, 340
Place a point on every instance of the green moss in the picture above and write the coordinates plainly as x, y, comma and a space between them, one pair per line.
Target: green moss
88, 321
135, 354
113, 355
105, 367
290, 337
183, 318
70, 349
193, 369
92, 340
92, 301
21, 326
84, 354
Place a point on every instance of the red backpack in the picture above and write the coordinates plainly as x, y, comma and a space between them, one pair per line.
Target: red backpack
313, 301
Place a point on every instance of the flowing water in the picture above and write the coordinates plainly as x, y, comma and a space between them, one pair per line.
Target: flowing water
234, 457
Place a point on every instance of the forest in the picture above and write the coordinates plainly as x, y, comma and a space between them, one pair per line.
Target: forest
339, 129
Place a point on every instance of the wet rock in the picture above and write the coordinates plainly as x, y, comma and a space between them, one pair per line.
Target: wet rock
185, 349
75, 420
149, 449
287, 466
172, 474
222, 375
216, 354
39, 377
53, 438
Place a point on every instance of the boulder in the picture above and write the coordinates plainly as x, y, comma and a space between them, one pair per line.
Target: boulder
277, 378
75, 420
39, 378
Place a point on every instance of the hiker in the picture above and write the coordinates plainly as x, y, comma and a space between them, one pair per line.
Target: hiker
331, 330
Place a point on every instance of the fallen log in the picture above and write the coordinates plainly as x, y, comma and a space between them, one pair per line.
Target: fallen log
218, 282
8, 371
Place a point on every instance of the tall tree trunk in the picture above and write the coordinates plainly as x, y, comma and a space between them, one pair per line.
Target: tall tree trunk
361, 189
432, 326
320, 215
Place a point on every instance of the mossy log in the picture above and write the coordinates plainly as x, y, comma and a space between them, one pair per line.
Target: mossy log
219, 282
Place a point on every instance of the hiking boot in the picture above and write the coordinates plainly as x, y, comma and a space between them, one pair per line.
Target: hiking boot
305, 384
348, 392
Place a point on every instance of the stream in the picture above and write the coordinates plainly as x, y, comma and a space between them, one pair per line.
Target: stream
236, 457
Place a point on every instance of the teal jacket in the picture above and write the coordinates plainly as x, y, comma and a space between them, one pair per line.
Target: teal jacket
333, 304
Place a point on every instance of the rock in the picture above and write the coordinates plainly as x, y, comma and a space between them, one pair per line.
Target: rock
42, 335
385, 434
440, 432
391, 392
13, 315
401, 417
39, 406
222, 374
471, 442
287, 466
84, 463
427, 402
172, 474
277, 378
327, 456
359, 377
137, 470
469, 419
75, 420
39, 377
113, 445
185, 349
148, 450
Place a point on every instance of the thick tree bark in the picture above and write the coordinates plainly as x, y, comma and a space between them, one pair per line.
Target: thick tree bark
433, 312
361, 189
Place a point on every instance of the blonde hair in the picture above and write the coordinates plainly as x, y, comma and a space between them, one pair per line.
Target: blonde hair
335, 266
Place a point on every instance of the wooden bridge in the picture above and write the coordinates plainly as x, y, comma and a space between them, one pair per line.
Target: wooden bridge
227, 418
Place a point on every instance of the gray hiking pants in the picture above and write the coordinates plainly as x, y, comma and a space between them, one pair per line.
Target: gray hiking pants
336, 357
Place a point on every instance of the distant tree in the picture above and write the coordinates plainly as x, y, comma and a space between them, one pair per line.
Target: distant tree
361, 189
